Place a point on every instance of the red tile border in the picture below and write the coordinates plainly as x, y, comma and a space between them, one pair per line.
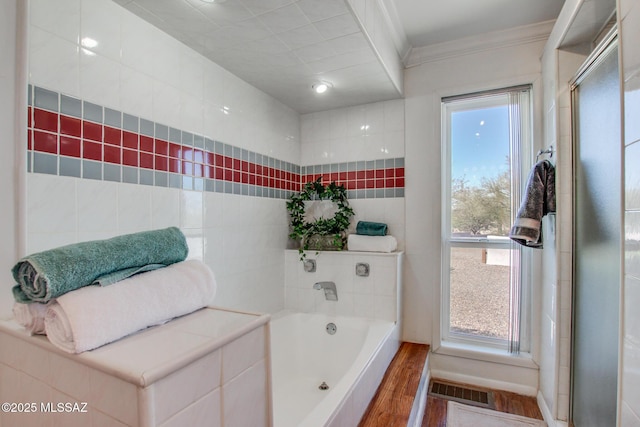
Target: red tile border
54, 133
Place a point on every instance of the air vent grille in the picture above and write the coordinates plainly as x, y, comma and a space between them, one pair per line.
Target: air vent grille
462, 394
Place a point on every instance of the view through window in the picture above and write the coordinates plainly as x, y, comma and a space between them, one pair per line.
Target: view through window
482, 288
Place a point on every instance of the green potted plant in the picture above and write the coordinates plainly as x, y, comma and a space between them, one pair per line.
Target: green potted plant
319, 233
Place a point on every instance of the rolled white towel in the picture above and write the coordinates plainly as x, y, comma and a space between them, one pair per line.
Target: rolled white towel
31, 316
92, 316
357, 242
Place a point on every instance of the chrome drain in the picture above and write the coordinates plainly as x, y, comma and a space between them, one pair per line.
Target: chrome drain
331, 328
323, 386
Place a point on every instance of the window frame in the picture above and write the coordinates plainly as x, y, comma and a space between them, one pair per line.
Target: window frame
521, 159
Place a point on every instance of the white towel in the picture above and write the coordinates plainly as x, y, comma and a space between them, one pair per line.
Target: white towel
92, 316
31, 316
357, 242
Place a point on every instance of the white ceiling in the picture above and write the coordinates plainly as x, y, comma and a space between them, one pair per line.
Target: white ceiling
283, 46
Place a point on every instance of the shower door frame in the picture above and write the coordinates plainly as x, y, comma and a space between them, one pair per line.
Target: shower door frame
595, 59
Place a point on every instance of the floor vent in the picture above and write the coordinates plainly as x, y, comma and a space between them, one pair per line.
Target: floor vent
461, 394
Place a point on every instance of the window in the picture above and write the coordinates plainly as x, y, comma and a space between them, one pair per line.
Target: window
485, 291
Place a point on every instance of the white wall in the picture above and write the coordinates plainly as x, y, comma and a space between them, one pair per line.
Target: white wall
13, 123
139, 70
425, 85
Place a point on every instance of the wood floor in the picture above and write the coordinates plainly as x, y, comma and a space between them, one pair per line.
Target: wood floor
392, 403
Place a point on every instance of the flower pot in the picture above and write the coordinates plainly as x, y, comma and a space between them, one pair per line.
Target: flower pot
321, 242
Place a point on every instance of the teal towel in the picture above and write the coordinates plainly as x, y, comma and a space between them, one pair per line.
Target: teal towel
46, 275
367, 228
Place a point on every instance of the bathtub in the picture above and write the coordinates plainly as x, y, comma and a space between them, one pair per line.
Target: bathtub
351, 362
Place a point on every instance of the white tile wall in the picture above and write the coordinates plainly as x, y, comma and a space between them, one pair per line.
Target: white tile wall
375, 297
364, 132
137, 69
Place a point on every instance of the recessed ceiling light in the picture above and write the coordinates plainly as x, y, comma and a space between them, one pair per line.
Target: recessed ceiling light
214, 1
321, 86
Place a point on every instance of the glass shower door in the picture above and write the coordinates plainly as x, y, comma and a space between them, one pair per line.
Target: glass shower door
597, 242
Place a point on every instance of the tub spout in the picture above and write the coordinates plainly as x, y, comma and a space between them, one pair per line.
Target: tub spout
330, 291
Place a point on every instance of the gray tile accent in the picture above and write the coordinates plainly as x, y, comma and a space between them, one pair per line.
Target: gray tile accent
237, 152
29, 158
219, 148
113, 118
129, 175
70, 167
400, 163
389, 163
198, 141
369, 193
380, 193
210, 145
198, 184
175, 135
380, 164
326, 168
146, 127
351, 194
161, 132
252, 157
244, 155
92, 112
187, 137
175, 180
146, 177
351, 166
399, 192
258, 191
228, 187
272, 162
187, 182
91, 170
252, 190
43, 98
29, 95
209, 185
228, 150
361, 194
259, 159
45, 163
218, 186
130, 122
112, 173
368, 165
161, 179
244, 189
70, 106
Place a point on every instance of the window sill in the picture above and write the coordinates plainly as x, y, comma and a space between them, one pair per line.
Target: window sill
486, 354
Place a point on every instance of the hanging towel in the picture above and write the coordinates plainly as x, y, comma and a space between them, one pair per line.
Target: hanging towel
92, 316
539, 199
49, 274
368, 228
356, 242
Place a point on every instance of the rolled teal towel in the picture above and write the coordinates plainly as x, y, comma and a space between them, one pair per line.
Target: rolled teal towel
46, 275
368, 228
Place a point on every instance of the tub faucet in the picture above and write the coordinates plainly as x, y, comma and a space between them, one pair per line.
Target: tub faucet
330, 292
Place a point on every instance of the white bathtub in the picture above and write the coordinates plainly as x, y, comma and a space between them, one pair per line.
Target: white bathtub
351, 362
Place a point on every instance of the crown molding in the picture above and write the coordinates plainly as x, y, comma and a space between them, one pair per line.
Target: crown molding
396, 30
494, 40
